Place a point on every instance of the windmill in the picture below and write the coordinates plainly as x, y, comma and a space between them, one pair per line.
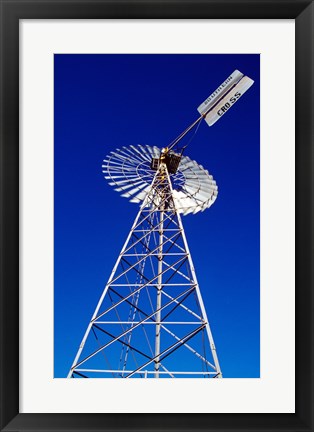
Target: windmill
150, 321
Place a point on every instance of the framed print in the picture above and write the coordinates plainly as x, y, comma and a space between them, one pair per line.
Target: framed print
96, 93
77, 73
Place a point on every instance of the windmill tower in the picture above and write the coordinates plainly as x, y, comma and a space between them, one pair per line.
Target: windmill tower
150, 321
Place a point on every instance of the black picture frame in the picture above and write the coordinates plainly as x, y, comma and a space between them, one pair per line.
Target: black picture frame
11, 12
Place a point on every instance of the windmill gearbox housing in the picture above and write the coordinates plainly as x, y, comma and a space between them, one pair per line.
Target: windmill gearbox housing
171, 159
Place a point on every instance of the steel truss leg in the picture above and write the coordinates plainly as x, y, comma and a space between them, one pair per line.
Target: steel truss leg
89, 327
199, 297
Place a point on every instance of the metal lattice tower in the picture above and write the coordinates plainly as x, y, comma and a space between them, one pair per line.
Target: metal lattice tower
150, 321
151, 307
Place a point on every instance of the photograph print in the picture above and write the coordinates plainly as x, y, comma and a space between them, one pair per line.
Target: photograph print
157, 216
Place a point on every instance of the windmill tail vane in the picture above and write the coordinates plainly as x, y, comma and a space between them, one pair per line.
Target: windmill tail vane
151, 321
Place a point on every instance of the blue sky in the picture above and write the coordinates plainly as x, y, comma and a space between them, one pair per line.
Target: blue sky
104, 102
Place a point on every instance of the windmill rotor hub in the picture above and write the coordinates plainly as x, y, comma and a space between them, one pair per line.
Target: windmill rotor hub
131, 170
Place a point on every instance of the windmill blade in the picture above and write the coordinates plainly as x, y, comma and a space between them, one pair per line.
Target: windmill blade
129, 172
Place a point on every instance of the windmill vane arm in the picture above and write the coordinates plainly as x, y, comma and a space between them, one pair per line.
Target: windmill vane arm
224, 97
182, 135
218, 103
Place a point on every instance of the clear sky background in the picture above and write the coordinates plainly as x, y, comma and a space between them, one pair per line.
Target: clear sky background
104, 102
